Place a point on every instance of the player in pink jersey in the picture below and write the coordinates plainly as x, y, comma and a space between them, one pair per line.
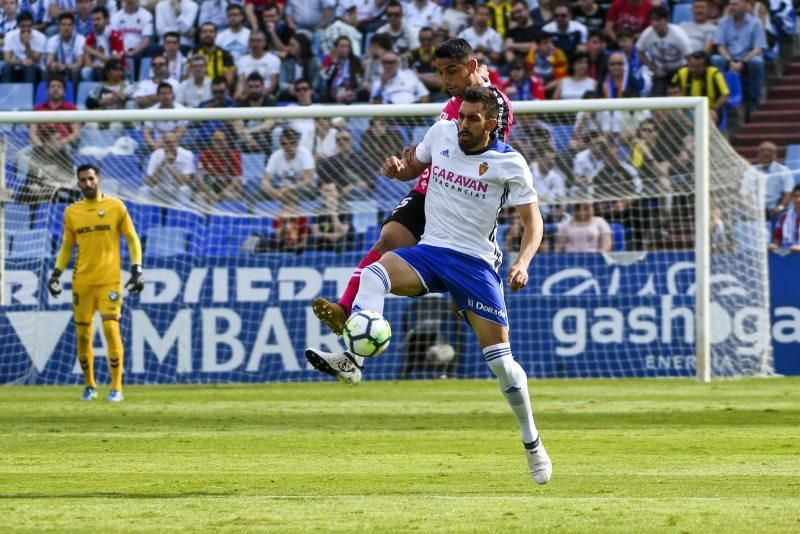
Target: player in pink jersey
458, 69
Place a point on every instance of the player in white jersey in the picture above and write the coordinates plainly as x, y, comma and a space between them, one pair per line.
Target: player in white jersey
473, 174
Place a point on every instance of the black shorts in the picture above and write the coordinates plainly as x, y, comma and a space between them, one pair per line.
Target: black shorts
410, 213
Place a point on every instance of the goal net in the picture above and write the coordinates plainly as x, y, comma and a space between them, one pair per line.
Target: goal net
246, 215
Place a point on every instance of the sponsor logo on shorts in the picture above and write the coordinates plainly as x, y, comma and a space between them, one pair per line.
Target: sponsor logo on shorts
480, 306
113, 296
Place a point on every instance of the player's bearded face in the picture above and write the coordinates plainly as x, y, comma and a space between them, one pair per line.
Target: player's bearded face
88, 183
473, 128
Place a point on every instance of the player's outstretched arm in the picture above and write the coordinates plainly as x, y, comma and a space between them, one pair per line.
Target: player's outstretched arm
531, 239
407, 168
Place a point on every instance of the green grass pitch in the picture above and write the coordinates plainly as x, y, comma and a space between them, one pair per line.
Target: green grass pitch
629, 455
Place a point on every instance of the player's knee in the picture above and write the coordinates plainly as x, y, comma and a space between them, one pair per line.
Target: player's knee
509, 373
393, 236
83, 334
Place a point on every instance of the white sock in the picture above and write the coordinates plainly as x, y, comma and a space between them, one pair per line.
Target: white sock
372, 289
514, 385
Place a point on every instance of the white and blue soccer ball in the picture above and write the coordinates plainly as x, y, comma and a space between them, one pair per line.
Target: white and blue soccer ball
366, 333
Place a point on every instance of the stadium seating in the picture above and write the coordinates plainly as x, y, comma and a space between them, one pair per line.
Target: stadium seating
229, 206
365, 214
125, 169
165, 241
144, 68
224, 236
144, 216
389, 192
617, 236
271, 207
28, 244
734, 83
188, 220
17, 217
562, 133
83, 92
793, 161
682, 13
253, 168
16, 96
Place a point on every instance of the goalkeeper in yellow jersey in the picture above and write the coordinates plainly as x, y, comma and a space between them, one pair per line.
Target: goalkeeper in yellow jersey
95, 225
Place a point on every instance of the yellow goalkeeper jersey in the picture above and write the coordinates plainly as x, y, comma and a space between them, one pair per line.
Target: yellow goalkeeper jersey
96, 225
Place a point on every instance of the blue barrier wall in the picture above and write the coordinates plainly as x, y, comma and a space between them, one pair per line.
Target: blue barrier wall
247, 319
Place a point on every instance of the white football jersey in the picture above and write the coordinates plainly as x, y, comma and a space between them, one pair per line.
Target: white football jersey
466, 192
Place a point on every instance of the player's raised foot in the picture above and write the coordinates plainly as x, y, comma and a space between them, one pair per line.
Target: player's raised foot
330, 313
89, 393
539, 464
339, 365
115, 395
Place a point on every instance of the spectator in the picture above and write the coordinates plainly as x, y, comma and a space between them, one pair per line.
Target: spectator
700, 79
519, 38
332, 229
276, 29
170, 172
65, 50
543, 14
700, 31
325, 138
219, 62
136, 26
215, 12
309, 15
484, 40
419, 14
289, 175
787, 229
549, 182
341, 74
22, 51
651, 165
620, 180
256, 135
236, 38
521, 85
456, 18
587, 164
397, 30
598, 58
115, 92
304, 127
146, 94
177, 16
500, 15
254, 10
420, 60
396, 85
341, 28
8, 18
153, 132
378, 141
365, 15
47, 13
627, 46
220, 171
83, 17
547, 62
299, 63
102, 44
110, 5
259, 60
379, 44
290, 229
220, 98
779, 182
512, 241
197, 87
176, 61
49, 154
631, 14
590, 14
351, 171
741, 42
578, 82
568, 35
621, 81
584, 232
663, 48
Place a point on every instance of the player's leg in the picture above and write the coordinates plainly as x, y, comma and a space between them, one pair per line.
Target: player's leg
494, 342
402, 229
110, 299
83, 308
392, 274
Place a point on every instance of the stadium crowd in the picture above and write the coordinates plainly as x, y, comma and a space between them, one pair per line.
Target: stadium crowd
221, 53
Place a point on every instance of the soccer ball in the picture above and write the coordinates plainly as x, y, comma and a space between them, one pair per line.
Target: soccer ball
366, 333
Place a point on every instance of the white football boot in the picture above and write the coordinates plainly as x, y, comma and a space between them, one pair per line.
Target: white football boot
338, 364
539, 464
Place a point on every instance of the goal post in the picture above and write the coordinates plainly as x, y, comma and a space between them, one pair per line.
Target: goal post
682, 292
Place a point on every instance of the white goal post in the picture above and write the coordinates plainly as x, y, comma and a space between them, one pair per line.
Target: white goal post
700, 187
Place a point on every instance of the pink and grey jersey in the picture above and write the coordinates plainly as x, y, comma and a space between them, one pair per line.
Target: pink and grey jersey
450, 113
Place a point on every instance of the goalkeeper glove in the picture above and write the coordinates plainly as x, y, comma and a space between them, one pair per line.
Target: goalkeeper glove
54, 284
136, 282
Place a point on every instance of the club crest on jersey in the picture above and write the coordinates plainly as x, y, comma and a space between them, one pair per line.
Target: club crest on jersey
482, 168
113, 296
445, 152
101, 213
